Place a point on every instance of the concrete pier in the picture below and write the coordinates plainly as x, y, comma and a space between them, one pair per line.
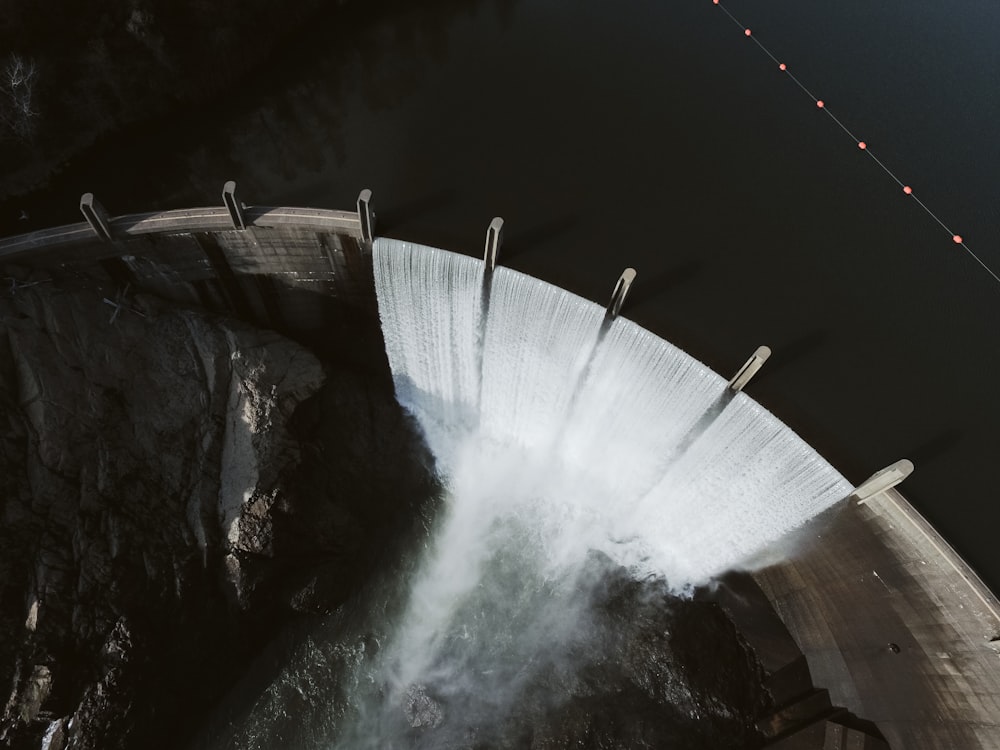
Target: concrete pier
882, 480
366, 216
494, 239
96, 216
619, 294
750, 368
233, 205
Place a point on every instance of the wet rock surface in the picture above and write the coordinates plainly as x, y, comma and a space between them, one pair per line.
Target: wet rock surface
420, 709
174, 488
642, 668
609, 662
204, 533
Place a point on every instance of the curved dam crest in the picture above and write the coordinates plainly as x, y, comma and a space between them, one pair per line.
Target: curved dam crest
640, 450
874, 576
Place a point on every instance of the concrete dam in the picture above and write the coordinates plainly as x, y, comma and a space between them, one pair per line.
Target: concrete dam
873, 632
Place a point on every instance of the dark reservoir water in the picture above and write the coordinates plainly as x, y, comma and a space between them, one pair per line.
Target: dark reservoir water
654, 134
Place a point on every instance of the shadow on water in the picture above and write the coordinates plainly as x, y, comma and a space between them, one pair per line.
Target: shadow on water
397, 216
931, 450
802, 347
647, 289
712, 413
533, 238
282, 138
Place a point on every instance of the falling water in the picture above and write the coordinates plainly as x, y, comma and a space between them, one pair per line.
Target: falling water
629, 442
555, 444
594, 475
434, 344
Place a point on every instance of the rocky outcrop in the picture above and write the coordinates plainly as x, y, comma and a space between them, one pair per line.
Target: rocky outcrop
173, 487
599, 661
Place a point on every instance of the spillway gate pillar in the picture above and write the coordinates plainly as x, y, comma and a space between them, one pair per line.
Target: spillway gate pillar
366, 216
882, 480
749, 369
96, 216
233, 205
494, 239
619, 294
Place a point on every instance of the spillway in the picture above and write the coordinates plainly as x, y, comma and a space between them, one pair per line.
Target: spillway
558, 447
627, 441
577, 461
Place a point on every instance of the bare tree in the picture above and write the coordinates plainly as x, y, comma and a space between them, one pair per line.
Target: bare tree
17, 90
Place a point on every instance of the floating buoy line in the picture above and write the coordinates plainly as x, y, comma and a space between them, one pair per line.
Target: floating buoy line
862, 145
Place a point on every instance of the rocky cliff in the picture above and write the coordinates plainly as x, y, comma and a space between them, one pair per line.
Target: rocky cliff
174, 487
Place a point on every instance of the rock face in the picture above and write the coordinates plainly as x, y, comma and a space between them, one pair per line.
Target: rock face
184, 500
173, 487
630, 666
641, 669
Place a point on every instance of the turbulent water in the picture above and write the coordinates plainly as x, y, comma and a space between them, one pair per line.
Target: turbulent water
611, 440
561, 440
594, 475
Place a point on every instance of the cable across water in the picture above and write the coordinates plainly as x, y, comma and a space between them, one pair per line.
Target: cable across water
862, 145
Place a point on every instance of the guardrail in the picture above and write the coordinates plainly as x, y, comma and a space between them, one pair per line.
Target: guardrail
99, 226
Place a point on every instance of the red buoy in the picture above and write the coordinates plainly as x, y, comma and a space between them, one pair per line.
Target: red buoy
715, 2
782, 66
957, 239
907, 189
820, 104
862, 145
746, 32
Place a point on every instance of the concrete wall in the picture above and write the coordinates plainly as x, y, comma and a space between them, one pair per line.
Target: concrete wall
895, 625
282, 271
889, 619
